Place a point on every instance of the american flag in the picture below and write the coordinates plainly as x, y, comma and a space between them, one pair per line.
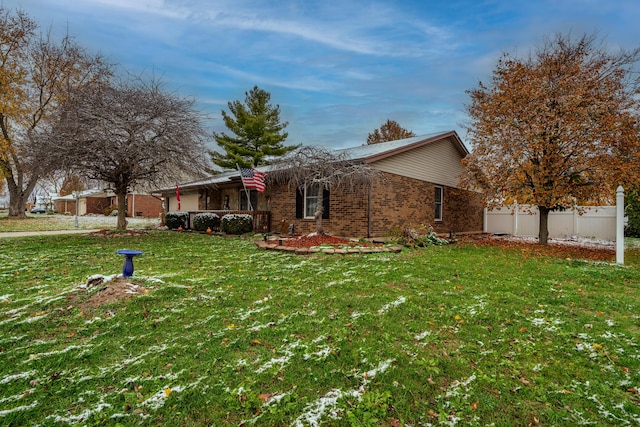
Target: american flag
252, 178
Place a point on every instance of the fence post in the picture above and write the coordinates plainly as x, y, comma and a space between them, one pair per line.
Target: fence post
620, 225
485, 218
515, 219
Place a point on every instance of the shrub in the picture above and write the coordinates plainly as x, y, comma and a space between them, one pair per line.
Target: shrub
421, 236
109, 210
174, 220
237, 223
204, 220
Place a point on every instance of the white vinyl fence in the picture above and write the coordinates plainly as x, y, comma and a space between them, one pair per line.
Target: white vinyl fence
595, 222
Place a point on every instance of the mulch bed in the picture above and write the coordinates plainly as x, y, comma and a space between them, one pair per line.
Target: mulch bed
326, 240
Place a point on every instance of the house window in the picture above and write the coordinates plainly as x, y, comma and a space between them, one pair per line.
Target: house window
310, 200
307, 202
244, 206
437, 214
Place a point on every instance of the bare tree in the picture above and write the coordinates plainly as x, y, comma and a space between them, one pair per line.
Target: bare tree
318, 166
127, 134
36, 75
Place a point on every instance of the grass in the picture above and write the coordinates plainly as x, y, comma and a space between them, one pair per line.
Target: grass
39, 222
231, 335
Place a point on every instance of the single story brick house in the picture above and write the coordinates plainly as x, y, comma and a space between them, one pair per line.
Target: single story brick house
96, 202
420, 186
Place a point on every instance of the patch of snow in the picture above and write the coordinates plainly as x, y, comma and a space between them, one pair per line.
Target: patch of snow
321, 354
422, 335
17, 396
387, 307
283, 360
6, 412
84, 415
314, 412
14, 377
571, 241
157, 400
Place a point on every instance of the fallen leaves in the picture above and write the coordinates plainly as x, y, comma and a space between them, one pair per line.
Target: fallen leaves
552, 250
524, 381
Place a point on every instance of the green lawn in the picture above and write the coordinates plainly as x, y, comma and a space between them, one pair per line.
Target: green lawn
40, 222
231, 335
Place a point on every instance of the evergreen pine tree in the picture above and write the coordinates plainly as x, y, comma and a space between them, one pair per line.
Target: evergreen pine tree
259, 134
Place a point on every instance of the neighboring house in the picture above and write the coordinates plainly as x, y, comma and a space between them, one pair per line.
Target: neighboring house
99, 202
420, 186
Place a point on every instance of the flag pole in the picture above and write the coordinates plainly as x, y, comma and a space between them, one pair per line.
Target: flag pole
178, 196
245, 189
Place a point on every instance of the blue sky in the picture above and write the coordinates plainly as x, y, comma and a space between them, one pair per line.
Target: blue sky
337, 68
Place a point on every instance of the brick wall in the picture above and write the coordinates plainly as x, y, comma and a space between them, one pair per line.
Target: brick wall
65, 206
395, 202
463, 210
97, 205
144, 205
348, 212
400, 201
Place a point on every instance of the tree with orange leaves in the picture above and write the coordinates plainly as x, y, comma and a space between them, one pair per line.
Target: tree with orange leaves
389, 131
557, 129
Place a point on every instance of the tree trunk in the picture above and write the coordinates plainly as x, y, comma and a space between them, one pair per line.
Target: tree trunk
17, 206
318, 213
18, 196
543, 233
122, 210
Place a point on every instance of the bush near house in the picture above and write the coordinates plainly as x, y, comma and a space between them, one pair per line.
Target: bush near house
203, 221
175, 220
420, 236
237, 223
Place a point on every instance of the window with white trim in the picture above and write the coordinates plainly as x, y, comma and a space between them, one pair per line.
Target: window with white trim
311, 194
437, 214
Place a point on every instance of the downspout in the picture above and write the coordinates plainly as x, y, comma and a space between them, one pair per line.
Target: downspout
369, 212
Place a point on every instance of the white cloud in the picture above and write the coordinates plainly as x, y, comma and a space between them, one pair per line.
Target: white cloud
154, 7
